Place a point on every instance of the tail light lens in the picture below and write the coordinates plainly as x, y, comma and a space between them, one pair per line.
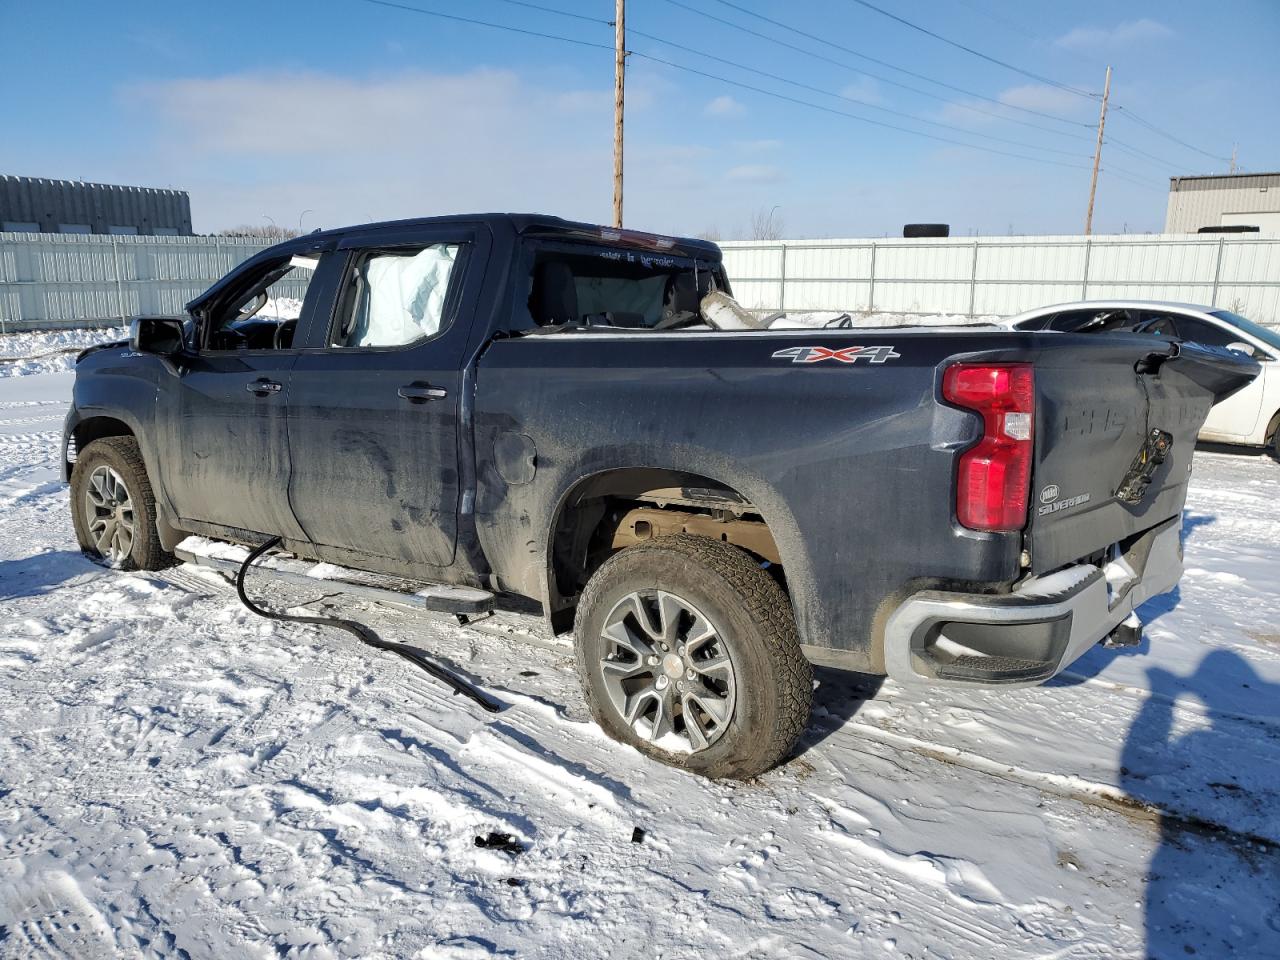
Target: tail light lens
994, 478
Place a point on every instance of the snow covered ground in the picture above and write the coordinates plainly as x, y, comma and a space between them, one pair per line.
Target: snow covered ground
181, 778
48, 351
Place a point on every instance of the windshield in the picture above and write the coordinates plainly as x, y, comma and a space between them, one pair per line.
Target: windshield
1268, 336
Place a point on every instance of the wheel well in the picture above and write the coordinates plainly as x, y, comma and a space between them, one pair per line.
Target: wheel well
609, 511
1273, 431
95, 428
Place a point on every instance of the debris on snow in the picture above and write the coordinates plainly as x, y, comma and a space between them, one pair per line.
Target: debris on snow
496, 840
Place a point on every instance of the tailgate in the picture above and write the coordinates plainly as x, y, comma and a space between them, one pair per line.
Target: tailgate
1101, 401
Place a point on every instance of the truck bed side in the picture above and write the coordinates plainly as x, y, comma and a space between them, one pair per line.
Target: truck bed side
849, 463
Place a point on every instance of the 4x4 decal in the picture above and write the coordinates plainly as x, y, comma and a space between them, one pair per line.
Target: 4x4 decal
842, 355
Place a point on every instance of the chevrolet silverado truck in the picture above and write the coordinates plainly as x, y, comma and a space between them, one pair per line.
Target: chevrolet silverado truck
520, 405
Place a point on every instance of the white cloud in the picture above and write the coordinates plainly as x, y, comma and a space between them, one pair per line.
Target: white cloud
756, 146
360, 148
976, 114
866, 90
1035, 96
1121, 35
724, 106
354, 148
754, 173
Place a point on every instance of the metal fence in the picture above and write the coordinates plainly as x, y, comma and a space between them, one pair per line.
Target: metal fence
55, 280
1005, 275
52, 280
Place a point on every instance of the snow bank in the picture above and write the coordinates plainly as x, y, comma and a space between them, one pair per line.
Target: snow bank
48, 351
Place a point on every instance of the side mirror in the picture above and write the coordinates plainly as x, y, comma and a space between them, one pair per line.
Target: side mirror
162, 336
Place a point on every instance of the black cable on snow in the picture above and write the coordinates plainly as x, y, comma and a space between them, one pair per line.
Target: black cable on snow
364, 635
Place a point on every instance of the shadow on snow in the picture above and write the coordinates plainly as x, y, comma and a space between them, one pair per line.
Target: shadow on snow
1213, 885
44, 572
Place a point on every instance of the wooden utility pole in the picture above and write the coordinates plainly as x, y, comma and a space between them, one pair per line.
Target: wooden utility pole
1234, 147
1097, 154
619, 84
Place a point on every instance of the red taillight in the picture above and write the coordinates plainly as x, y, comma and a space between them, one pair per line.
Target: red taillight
994, 477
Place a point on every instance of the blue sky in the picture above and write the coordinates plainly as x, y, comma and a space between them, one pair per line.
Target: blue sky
355, 111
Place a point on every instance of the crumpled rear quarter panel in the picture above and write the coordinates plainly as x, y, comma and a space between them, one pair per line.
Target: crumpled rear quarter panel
850, 464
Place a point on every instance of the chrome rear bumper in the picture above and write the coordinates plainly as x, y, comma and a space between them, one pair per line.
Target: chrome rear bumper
1027, 636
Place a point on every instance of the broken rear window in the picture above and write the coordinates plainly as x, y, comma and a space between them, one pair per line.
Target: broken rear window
608, 287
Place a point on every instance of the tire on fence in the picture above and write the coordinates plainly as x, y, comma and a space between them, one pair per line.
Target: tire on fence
918, 230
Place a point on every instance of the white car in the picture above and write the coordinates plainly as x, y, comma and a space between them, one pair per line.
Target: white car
1250, 417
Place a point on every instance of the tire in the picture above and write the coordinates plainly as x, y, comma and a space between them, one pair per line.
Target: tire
110, 474
922, 230
1271, 442
735, 721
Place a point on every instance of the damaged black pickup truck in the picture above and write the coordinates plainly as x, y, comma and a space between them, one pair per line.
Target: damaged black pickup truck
583, 416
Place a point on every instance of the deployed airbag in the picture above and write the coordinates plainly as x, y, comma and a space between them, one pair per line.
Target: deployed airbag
402, 296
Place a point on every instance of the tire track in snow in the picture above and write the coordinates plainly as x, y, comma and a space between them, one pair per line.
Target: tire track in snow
1103, 795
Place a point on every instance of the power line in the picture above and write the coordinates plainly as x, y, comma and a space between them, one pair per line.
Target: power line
1137, 181
884, 63
851, 116
1017, 27
977, 53
1135, 152
840, 96
919, 76
1119, 144
1049, 80
1168, 136
1005, 21
1146, 178
558, 12
485, 23
725, 80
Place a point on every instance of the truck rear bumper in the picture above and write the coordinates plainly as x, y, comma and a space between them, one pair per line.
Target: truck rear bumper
1028, 636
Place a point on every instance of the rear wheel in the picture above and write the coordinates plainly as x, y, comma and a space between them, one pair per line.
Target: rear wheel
113, 507
1271, 443
688, 651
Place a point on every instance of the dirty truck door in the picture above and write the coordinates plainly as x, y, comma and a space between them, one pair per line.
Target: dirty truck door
224, 410
373, 405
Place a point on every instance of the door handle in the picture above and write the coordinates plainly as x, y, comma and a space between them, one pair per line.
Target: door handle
262, 387
422, 392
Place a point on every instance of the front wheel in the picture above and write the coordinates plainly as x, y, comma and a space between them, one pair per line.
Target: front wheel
688, 651
113, 507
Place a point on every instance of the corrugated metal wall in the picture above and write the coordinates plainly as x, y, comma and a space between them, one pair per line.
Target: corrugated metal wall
1196, 202
1005, 275
99, 206
51, 279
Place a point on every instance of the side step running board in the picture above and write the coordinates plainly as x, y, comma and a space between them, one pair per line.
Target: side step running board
438, 598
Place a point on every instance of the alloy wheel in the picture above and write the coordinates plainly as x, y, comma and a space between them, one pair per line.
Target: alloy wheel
109, 515
667, 671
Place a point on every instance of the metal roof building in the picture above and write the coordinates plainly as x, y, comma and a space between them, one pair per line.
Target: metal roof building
37, 205
1235, 201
